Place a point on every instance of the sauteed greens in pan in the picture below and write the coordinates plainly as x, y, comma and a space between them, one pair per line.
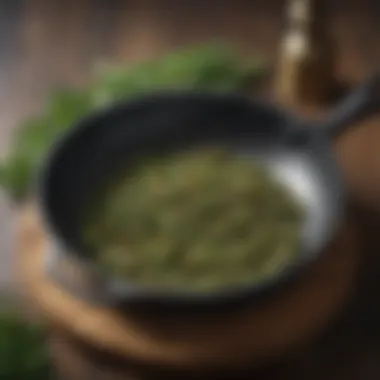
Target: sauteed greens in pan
195, 220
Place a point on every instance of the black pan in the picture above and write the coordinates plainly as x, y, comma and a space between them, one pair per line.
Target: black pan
298, 153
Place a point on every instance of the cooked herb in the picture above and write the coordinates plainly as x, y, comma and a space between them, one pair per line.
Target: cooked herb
196, 220
210, 67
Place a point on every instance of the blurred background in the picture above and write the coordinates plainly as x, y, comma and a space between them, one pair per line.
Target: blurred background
45, 43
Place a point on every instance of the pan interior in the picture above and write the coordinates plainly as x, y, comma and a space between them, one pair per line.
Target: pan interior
313, 179
311, 176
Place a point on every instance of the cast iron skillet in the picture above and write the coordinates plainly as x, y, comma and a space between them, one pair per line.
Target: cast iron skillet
297, 153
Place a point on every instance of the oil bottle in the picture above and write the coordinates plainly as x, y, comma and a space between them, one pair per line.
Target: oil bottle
305, 73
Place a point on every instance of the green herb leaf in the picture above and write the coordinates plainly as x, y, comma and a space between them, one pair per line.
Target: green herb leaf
23, 351
215, 67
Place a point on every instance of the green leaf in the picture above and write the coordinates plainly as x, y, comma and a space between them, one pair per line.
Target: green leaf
211, 66
23, 350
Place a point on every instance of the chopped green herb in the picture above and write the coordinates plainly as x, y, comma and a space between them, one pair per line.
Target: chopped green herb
196, 221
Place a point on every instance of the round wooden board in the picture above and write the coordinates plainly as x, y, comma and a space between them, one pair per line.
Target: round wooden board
251, 336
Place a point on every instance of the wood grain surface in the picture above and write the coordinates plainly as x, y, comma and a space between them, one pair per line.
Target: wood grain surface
48, 42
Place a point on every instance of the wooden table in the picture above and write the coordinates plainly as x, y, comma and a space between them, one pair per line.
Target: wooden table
57, 41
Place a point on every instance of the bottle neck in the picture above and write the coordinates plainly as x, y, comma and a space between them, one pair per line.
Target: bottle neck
308, 17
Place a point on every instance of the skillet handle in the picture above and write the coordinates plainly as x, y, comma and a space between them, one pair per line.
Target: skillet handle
363, 102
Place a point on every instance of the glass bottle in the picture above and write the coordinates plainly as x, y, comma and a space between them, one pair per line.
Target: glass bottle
305, 73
